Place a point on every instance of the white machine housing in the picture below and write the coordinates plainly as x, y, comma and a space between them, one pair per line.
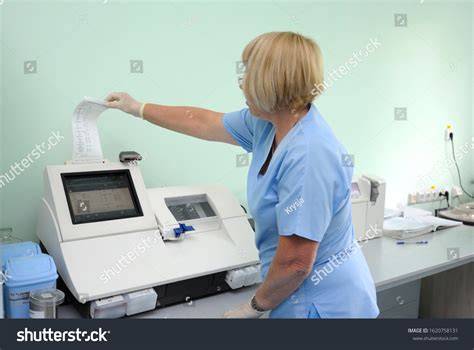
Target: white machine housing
368, 205
107, 258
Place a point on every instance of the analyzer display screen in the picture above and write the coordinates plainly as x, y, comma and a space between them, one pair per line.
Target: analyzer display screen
101, 196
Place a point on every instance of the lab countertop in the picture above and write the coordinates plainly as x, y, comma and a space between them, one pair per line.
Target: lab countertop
390, 264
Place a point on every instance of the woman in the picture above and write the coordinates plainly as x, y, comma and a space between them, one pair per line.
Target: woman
299, 192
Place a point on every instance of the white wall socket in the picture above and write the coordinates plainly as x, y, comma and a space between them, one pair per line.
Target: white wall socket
456, 192
411, 198
449, 130
428, 196
425, 196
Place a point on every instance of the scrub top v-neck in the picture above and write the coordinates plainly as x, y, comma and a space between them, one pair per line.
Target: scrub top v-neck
305, 191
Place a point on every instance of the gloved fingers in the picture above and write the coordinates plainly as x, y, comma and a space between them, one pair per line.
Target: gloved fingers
113, 104
236, 313
229, 314
119, 100
114, 96
244, 311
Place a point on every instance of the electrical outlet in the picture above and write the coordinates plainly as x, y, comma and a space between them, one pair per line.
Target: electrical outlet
456, 192
442, 194
449, 130
420, 197
411, 198
429, 196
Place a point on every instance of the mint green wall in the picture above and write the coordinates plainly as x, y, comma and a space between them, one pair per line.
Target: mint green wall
472, 96
189, 52
1, 109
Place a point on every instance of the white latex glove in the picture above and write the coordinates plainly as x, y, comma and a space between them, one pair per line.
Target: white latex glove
124, 102
243, 311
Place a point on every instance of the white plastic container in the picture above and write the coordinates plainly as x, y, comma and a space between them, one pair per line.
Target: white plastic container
252, 275
113, 307
235, 278
140, 301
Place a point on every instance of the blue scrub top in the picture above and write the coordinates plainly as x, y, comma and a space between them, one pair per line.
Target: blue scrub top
306, 191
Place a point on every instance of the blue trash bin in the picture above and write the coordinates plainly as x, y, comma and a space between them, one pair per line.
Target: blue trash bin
12, 250
24, 275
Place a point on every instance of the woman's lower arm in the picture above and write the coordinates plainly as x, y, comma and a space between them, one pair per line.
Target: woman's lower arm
197, 122
291, 265
280, 283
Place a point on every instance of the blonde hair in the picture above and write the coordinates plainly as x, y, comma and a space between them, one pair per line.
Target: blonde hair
282, 70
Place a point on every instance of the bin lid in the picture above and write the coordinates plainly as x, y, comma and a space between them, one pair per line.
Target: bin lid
47, 297
25, 270
12, 250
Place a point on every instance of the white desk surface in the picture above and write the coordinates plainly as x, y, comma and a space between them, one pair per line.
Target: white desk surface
390, 264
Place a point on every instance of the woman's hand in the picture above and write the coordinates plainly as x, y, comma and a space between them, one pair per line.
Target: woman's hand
124, 102
243, 311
